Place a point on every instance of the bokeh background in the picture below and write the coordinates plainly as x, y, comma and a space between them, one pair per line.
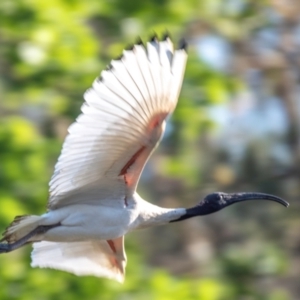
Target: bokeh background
236, 128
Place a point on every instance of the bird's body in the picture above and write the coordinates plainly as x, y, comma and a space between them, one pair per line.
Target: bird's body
84, 222
93, 201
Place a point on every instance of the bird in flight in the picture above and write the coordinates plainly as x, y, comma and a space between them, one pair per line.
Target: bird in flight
93, 201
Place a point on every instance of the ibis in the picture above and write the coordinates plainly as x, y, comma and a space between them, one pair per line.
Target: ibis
93, 201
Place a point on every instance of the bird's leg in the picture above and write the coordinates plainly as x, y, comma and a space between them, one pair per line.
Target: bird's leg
8, 247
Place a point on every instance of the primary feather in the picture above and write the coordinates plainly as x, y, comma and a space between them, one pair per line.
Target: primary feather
122, 120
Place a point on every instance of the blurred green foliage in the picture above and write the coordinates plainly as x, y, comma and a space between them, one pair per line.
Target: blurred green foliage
50, 52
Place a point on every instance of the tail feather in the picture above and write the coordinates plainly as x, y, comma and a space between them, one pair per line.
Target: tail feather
80, 258
21, 226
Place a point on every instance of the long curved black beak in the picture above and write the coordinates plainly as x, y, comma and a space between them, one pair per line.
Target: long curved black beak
217, 201
238, 197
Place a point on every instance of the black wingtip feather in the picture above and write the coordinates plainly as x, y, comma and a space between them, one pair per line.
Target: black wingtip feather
139, 41
154, 37
109, 67
182, 45
166, 35
129, 47
119, 57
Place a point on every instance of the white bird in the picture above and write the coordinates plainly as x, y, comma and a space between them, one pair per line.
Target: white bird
93, 201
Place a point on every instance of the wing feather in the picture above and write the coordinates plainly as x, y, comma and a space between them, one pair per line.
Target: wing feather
122, 121
97, 258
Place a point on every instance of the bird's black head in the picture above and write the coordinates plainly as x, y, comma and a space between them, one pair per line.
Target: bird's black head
214, 202
217, 201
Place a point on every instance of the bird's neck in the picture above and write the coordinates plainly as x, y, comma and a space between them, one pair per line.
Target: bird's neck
194, 211
152, 215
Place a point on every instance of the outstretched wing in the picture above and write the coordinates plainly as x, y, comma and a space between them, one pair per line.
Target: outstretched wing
122, 120
95, 257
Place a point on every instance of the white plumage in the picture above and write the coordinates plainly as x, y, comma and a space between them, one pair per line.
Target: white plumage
93, 201
92, 190
92, 257
123, 114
